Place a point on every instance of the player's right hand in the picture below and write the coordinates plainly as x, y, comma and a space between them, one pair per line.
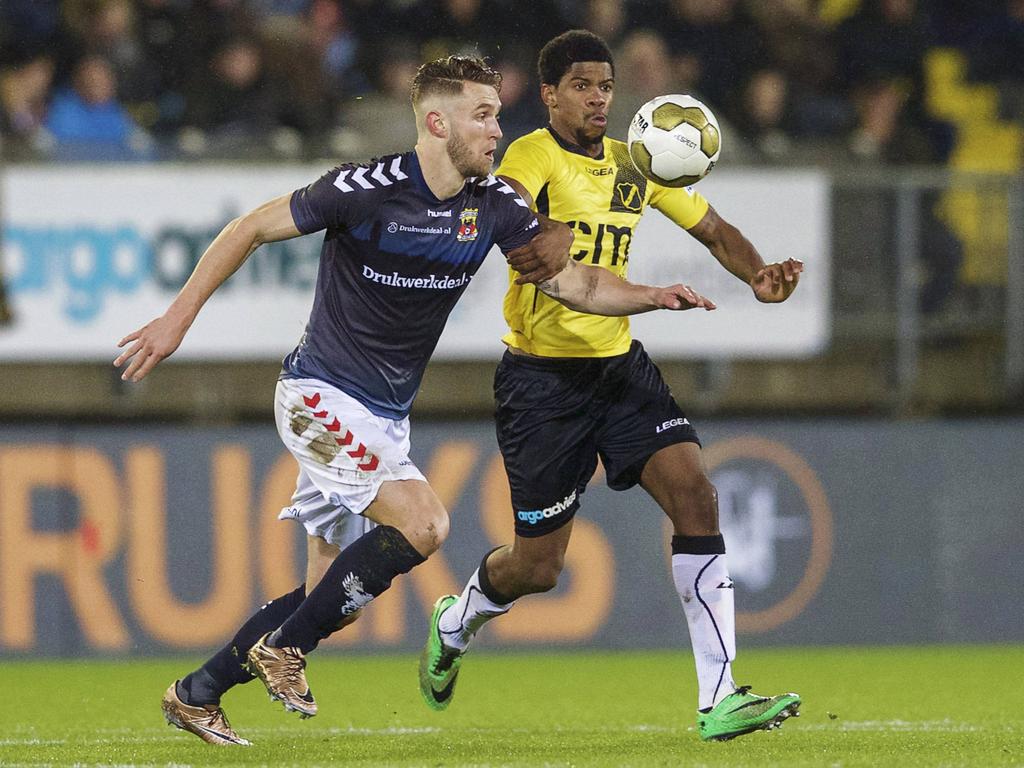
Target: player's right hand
776, 282
681, 297
153, 342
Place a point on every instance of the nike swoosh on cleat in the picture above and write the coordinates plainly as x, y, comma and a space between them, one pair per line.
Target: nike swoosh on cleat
307, 696
217, 734
444, 694
747, 704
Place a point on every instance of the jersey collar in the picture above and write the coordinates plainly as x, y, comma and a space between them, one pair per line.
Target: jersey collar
576, 149
416, 174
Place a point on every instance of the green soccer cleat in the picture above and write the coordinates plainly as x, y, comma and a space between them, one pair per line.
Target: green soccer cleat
439, 664
744, 712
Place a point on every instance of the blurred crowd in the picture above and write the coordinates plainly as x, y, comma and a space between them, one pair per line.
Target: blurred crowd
791, 80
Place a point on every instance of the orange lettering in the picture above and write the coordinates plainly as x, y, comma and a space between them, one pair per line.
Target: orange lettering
76, 556
279, 572
189, 625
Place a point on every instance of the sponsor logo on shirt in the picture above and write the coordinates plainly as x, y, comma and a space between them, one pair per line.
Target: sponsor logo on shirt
430, 282
670, 424
534, 516
600, 171
394, 227
467, 225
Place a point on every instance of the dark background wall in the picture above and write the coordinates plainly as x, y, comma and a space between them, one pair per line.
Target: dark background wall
142, 539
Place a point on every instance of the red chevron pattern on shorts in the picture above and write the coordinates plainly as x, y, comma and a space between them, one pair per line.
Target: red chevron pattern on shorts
368, 466
367, 461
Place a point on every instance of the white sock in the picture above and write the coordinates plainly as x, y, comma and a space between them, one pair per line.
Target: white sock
706, 592
465, 616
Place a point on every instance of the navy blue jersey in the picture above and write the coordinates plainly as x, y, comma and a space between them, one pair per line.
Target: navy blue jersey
395, 259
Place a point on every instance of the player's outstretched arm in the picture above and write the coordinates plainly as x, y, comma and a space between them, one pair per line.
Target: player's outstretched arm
770, 283
159, 337
599, 292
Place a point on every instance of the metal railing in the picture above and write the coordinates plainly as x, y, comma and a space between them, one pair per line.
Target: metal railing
904, 213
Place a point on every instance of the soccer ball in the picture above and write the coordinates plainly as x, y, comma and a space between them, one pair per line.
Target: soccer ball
674, 140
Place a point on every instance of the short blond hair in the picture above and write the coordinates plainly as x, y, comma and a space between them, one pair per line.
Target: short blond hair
444, 77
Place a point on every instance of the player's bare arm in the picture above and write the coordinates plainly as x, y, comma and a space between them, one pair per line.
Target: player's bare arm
596, 290
547, 254
160, 337
771, 283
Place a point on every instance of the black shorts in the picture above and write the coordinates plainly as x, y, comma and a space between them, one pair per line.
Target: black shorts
555, 416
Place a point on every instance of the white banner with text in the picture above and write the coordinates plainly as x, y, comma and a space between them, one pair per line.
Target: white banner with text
91, 252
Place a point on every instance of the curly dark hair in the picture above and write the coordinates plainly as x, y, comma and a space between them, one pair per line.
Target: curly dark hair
445, 76
560, 53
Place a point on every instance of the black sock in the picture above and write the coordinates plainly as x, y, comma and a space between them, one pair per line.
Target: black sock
224, 669
698, 545
360, 573
487, 587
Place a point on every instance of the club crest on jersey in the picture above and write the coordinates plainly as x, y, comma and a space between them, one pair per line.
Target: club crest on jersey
629, 195
467, 225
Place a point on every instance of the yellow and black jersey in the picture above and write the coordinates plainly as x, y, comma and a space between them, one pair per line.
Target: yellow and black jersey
602, 200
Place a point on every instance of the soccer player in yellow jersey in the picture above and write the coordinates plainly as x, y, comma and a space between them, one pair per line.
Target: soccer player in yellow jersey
572, 387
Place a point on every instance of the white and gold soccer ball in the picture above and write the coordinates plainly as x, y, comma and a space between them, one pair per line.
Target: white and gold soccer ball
674, 140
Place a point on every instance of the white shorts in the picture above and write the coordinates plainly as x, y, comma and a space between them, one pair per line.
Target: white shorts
344, 454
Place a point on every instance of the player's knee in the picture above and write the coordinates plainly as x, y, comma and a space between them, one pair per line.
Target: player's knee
694, 505
705, 497
426, 528
435, 527
438, 526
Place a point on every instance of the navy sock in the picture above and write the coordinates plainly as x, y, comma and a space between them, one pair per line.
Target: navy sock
360, 573
224, 669
698, 545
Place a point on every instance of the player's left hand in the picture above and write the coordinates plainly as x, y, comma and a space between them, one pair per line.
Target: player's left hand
545, 256
680, 297
775, 282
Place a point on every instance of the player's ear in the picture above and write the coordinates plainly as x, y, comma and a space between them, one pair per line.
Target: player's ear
547, 95
436, 125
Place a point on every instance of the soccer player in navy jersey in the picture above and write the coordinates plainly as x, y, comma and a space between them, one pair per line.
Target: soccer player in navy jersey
573, 386
404, 236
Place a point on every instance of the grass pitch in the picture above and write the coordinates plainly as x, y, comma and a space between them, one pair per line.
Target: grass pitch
949, 706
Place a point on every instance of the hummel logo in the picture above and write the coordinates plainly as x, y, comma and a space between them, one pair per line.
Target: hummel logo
378, 176
727, 584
